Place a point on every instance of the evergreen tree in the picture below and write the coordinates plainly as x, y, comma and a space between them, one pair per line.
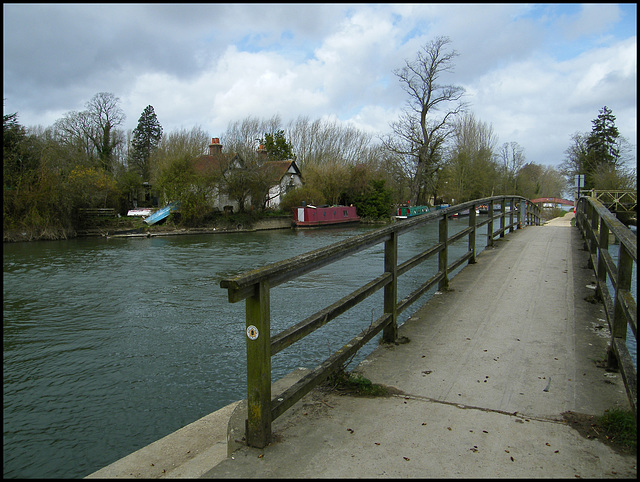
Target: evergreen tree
602, 146
146, 137
278, 149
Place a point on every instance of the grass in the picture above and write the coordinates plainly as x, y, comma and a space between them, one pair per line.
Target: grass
357, 385
620, 426
616, 428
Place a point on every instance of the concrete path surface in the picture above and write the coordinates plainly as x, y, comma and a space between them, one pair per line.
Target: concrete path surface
480, 388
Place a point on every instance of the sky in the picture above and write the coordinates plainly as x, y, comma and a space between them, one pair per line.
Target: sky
536, 73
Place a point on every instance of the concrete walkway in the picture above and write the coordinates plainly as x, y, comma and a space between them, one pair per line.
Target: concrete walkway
481, 386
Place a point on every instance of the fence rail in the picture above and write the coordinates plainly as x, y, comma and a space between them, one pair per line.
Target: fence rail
254, 287
596, 222
620, 200
106, 212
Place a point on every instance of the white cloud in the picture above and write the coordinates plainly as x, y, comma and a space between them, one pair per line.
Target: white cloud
592, 19
537, 73
540, 102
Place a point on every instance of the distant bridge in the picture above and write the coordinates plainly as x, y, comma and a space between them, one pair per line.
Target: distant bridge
554, 201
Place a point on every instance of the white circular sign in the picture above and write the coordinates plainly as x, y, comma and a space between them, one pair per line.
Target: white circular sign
252, 332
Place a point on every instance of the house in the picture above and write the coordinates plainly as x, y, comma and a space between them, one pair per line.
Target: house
282, 176
217, 164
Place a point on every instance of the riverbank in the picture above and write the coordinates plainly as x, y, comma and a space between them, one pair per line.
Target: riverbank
135, 227
129, 227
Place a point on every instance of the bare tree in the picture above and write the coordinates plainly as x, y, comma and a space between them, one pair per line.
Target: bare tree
242, 136
325, 140
94, 132
511, 158
419, 134
176, 145
470, 165
106, 115
73, 131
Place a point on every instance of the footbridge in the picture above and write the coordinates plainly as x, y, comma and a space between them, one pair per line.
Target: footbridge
485, 379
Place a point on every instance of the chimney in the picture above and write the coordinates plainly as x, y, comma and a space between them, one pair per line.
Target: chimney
215, 148
262, 152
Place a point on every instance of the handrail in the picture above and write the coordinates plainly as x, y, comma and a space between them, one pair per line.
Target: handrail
254, 286
596, 222
620, 198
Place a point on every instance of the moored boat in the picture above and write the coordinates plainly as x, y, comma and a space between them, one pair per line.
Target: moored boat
405, 212
139, 212
465, 212
311, 216
160, 214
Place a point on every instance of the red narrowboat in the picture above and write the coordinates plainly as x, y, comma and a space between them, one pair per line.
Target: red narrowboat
312, 216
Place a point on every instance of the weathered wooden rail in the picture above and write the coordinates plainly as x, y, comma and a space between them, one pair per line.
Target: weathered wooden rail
254, 287
620, 200
596, 222
97, 212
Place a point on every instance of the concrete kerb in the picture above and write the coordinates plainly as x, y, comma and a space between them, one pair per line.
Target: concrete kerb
187, 453
195, 449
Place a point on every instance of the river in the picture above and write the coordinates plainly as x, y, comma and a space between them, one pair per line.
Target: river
111, 344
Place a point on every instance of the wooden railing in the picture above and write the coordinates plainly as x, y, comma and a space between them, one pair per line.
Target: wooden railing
596, 223
255, 286
620, 200
91, 212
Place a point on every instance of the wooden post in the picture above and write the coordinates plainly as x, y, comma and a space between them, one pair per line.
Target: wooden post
603, 246
512, 206
472, 234
490, 225
593, 239
503, 210
625, 270
443, 234
258, 320
390, 332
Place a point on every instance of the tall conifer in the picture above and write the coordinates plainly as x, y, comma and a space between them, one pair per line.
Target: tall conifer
146, 137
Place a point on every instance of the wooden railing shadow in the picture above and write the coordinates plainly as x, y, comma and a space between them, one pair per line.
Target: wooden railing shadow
596, 223
254, 287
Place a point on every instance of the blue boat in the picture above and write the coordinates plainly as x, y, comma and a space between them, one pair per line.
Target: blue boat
160, 214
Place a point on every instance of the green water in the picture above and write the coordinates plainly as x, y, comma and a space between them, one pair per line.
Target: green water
111, 344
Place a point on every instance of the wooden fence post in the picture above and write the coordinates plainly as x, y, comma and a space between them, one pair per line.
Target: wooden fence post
472, 234
443, 233
601, 271
593, 238
512, 206
490, 224
390, 332
503, 210
625, 270
619, 324
258, 321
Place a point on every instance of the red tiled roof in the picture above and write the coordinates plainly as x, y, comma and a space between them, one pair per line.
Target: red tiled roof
207, 164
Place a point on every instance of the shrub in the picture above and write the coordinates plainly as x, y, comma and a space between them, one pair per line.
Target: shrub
295, 198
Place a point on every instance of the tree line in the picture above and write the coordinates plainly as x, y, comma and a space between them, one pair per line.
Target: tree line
437, 151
